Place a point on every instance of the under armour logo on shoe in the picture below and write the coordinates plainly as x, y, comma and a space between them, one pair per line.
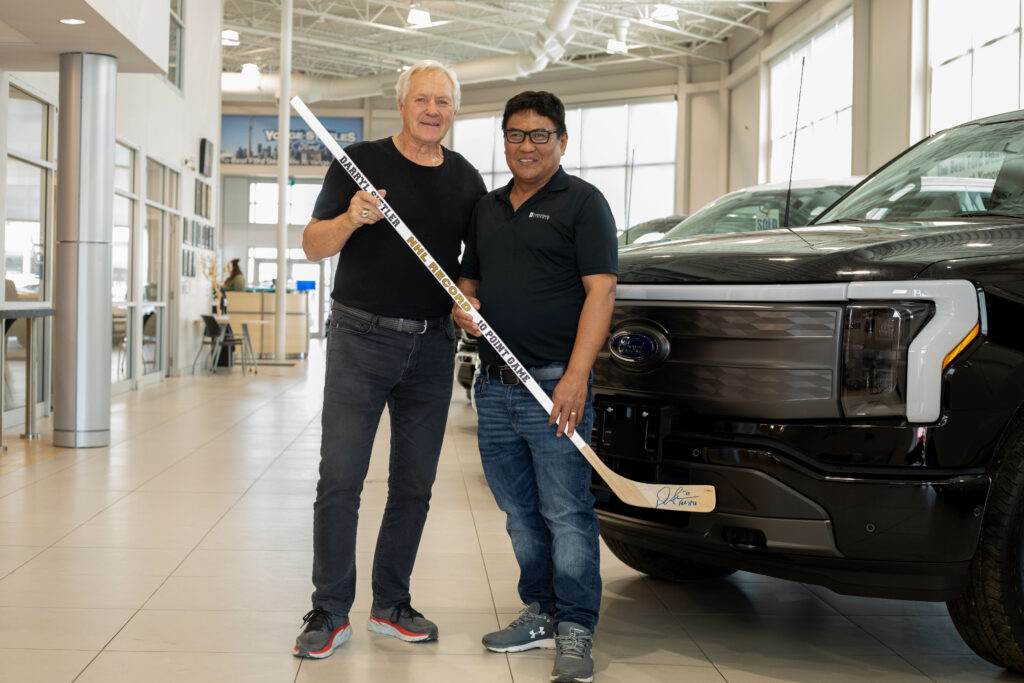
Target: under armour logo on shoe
538, 632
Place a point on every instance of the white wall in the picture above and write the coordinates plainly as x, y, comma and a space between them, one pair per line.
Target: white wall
145, 23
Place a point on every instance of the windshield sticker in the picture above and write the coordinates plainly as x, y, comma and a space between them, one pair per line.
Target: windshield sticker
766, 220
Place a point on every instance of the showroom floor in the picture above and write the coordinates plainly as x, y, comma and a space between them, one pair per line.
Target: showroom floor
182, 553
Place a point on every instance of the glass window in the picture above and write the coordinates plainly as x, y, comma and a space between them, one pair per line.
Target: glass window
120, 284
301, 199
263, 203
154, 181
173, 183
974, 61
628, 151
124, 168
26, 125
175, 47
152, 256
605, 132
121, 250
824, 134
25, 231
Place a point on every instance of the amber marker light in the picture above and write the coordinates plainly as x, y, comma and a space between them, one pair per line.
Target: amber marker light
962, 345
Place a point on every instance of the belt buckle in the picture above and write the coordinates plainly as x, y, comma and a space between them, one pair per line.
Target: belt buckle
426, 323
514, 378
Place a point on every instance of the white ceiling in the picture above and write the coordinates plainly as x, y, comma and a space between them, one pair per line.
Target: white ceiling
353, 38
32, 38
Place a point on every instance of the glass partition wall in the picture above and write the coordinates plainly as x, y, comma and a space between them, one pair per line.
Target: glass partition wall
123, 297
28, 233
162, 214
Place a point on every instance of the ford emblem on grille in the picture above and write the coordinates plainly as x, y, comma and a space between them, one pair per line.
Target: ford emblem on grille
638, 346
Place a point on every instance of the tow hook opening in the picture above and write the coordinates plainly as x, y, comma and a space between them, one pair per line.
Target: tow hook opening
741, 538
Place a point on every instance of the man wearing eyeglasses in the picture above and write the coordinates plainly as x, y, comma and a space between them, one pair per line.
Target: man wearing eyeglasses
540, 264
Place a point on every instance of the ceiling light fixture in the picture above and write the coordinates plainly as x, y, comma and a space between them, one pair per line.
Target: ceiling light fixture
72, 22
665, 13
229, 38
418, 17
617, 45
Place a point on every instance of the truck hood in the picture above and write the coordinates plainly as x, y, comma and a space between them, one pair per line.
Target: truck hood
869, 250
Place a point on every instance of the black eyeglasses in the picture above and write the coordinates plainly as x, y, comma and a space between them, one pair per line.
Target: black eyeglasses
538, 136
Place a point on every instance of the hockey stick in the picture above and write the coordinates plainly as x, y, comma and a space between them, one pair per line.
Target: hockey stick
640, 494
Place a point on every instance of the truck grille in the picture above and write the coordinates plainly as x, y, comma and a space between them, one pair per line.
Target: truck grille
774, 360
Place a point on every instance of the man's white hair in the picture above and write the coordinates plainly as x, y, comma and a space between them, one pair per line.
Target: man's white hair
427, 65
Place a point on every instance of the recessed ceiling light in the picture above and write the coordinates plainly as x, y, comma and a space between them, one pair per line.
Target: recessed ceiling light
229, 38
72, 22
418, 17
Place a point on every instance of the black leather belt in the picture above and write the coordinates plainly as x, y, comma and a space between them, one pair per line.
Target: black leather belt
509, 378
409, 325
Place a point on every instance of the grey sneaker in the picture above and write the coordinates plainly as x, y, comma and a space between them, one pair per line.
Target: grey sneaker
402, 622
530, 629
320, 637
573, 663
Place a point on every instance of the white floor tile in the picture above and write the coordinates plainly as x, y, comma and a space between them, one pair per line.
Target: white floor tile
183, 552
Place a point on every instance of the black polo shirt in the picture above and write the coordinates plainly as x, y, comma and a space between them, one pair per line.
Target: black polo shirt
529, 263
377, 271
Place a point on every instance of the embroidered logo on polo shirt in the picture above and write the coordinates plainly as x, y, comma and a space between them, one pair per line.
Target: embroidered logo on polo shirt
542, 216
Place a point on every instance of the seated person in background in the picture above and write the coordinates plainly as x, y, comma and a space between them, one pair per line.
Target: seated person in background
236, 278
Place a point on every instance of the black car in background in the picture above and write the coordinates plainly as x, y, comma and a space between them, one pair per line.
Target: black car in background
853, 389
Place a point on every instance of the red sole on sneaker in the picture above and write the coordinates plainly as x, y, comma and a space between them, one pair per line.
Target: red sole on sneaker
389, 628
339, 636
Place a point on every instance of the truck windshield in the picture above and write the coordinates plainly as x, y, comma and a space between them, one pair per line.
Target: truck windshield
972, 170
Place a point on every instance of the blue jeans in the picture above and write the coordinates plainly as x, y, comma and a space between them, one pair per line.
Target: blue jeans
542, 483
368, 367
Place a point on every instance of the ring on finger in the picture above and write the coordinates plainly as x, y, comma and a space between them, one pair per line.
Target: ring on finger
364, 213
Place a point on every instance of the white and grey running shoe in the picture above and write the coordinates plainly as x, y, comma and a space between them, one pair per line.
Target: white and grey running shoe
529, 630
573, 661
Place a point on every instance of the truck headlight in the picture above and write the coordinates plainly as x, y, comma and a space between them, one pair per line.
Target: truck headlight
875, 342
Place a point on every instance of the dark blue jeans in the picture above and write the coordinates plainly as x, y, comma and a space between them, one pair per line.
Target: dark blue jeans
542, 483
368, 367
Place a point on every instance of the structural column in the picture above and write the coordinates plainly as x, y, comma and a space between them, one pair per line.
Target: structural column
284, 145
85, 195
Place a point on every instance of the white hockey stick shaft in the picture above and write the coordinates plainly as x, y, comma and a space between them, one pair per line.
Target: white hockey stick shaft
641, 494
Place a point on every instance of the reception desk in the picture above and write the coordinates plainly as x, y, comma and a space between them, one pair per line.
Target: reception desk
244, 307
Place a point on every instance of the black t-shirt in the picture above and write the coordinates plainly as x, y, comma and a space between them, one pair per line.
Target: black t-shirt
529, 263
377, 271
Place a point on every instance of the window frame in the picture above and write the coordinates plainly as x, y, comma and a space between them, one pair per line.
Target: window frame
177, 23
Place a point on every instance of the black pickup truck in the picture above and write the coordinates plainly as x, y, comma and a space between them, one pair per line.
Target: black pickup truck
853, 389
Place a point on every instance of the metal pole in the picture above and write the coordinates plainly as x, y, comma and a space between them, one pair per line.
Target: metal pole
30, 382
284, 119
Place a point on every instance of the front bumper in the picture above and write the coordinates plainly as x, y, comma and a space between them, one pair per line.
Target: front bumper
896, 531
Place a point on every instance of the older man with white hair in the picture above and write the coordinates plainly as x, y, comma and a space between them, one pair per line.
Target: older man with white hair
391, 342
